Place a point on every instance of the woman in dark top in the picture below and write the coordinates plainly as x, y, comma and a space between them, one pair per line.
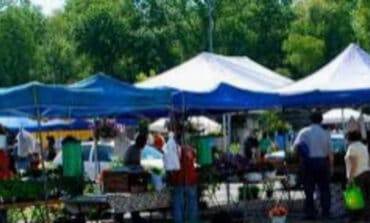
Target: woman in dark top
132, 159
133, 153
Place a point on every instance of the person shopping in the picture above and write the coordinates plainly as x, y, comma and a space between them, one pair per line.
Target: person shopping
314, 146
132, 159
180, 165
357, 169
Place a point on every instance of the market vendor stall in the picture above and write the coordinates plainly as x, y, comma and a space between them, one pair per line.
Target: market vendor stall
117, 203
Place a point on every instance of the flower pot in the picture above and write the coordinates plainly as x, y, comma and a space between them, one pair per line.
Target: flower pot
278, 219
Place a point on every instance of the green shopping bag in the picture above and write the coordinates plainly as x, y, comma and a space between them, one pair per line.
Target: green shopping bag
353, 197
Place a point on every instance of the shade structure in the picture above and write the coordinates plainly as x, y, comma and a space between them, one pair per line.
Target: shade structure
53, 101
40, 100
16, 123
126, 99
345, 81
338, 116
225, 98
200, 123
215, 83
206, 71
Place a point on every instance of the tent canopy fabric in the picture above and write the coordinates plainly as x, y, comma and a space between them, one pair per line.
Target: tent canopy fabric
15, 123
334, 116
147, 102
215, 83
55, 101
343, 81
207, 71
200, 123
225, 98
36, 99
350, 70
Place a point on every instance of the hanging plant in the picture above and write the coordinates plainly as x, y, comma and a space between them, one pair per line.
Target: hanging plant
105, 128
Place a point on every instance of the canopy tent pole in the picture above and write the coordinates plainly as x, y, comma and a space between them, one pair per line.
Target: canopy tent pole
97, 164
343, 121
226, 123
38, 117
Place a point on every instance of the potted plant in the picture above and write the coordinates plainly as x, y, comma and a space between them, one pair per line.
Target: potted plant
105, 129
248, 192
269, 188
278, 213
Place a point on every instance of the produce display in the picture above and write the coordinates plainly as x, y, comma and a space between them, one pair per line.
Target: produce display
18, 190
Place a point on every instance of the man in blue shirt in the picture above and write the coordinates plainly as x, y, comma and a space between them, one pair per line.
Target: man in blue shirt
314, 146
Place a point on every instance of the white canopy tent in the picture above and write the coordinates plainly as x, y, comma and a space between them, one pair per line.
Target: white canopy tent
338, 116
200, 123
206, 71
350, 70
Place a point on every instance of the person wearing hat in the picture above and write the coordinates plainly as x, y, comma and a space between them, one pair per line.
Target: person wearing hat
314, 147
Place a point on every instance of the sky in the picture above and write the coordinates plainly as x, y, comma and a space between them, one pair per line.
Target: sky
49, 6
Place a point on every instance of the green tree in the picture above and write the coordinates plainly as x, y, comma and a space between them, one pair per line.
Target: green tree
21, 32
128, 38
255, 28
168, 33
361, 23
304, 51
101, 35
58, 60
321, 30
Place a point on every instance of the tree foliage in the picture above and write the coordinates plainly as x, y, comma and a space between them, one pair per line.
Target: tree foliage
361, 22
21, 32
134, 39
321, 30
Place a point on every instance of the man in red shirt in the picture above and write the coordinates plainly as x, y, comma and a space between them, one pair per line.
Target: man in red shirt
5, 173
184, 182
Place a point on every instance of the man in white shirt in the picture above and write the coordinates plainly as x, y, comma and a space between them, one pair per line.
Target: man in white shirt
314, 146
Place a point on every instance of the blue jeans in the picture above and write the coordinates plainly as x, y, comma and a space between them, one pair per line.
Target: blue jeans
185, 204
316, 172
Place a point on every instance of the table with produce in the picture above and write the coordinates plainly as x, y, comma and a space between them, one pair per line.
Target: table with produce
123, 190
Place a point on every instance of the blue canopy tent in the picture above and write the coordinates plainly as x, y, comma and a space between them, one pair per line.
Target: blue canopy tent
39, 100
53, 101
327, 99
149, 102
225, 98
16, 123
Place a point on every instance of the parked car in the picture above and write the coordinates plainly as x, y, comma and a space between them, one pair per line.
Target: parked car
105, 156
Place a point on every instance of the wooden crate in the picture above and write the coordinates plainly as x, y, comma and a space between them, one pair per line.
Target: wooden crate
115, 182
